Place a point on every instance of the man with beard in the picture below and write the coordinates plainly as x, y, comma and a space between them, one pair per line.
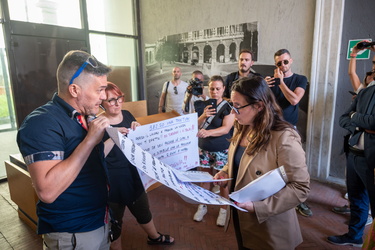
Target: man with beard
244, 64
288, 89
173, 93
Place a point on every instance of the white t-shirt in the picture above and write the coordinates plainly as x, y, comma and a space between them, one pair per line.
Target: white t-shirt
175, 96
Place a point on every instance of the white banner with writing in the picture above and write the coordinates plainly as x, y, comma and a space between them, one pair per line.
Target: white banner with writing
173, 141
163, 173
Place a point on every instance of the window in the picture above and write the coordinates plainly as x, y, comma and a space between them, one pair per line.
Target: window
115, 16
54, 12
117, 52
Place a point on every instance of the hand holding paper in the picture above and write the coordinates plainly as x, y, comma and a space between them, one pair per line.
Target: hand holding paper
261, 188
221, 179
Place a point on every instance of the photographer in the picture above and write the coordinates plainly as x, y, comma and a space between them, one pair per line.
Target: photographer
354, 79
194, 92
357, 120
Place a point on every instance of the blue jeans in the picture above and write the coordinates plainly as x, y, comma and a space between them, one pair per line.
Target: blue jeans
359, 180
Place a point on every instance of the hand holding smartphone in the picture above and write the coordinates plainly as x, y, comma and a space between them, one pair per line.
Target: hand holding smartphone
212, 102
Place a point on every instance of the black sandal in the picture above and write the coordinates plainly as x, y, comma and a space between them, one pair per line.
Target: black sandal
159, 240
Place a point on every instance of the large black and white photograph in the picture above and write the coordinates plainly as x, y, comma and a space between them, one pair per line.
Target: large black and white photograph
213, 51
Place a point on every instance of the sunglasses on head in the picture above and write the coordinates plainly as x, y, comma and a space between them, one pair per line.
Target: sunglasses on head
286, 62
91, 61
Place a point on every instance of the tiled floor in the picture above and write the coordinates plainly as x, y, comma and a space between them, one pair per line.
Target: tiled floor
174, 216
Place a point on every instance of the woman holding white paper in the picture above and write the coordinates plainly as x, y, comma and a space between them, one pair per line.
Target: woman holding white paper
264, 141
126, 188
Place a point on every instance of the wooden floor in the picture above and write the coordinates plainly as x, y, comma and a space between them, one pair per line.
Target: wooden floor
174, 216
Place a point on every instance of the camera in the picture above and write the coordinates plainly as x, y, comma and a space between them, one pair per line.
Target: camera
196, 87
363, 45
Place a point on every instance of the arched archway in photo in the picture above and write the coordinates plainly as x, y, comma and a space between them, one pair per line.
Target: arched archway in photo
220, 56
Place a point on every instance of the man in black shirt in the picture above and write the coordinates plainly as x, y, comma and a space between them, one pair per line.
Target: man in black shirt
244, 65
288, 89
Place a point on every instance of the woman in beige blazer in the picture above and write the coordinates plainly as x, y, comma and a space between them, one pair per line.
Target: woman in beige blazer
263, 141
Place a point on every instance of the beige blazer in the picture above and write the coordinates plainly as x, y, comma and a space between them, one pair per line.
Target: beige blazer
274, 225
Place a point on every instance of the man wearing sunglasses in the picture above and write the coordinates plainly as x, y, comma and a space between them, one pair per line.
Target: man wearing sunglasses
65, 157
173, 93
288, 89
245, 62
287, 86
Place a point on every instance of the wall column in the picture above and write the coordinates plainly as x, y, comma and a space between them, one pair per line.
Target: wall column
324, 80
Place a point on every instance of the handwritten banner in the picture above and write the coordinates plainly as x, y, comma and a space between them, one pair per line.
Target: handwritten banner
163, 173
173, 141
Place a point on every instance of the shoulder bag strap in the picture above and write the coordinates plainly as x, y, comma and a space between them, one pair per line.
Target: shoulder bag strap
209, 120
166, 92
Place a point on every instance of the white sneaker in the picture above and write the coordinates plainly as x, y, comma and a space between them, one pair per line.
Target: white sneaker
202, 210
222, 217
369, 220
216, 189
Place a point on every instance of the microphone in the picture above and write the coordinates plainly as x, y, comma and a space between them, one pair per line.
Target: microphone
90, 118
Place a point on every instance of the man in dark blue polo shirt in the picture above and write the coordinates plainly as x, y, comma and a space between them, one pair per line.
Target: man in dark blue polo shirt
65, 157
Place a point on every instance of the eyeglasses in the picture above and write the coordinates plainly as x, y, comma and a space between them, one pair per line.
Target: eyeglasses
175, 90
113, 101
91, 61
286, 62
237, 109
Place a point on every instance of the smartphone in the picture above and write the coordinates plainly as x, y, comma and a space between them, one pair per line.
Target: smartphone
212, 102
277, 81
352, 92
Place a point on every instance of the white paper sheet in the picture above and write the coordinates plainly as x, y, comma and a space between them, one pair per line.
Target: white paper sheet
261, 188
195, 176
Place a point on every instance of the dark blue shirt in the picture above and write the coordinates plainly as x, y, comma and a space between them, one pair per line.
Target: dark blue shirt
52, 132
290, 112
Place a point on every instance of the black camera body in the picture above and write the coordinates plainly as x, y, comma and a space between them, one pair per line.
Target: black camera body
363, 45
196, 87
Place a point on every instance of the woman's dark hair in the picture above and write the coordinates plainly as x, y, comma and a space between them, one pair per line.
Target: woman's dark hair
255, 90
216, 78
